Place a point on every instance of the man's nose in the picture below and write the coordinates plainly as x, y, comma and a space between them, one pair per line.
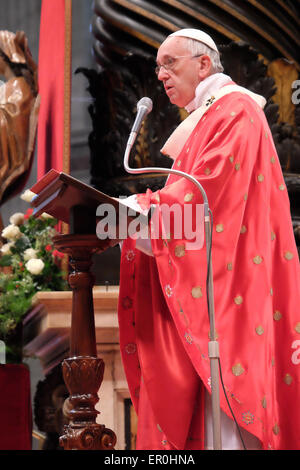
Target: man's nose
163, 73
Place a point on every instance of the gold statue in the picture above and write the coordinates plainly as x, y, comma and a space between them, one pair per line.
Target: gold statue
19, 105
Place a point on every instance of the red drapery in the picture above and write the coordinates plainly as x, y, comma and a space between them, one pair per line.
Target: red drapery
54, 86
15, 407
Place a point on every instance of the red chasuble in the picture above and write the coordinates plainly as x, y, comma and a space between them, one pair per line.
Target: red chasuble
163, 316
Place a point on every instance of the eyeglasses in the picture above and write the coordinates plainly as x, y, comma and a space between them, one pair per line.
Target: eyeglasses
171, 61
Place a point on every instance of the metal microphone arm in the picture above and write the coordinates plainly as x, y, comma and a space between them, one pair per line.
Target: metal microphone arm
213, 346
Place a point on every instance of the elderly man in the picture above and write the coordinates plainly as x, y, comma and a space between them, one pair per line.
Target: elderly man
226, 144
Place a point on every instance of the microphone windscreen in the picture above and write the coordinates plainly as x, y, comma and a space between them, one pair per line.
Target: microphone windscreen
146, 102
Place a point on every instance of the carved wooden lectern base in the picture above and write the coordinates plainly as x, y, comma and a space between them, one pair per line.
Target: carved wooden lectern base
75, 203
83, 370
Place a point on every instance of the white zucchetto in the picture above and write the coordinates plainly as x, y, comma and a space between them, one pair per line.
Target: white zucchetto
196, 34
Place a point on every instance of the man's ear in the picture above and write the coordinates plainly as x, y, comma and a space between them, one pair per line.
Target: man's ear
204, 66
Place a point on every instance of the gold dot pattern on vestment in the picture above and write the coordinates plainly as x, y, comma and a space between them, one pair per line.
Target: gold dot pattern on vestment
232, 113
238, 370
257, 259
179, 163
259, 330
288, 255
231, 159
169, 290
219, 228
264, 402
207, 171
237, 166
238, 300
273, 236
179, 250
197, 292
288, 379
188, 197
248, 417
273, 159
229, 266
277, 315
130, 348
243, 229
282, 187
245, 197
260, 178
188, 338
276, 429
297, 328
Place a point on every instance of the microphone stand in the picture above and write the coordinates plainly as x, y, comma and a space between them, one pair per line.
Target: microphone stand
213, 345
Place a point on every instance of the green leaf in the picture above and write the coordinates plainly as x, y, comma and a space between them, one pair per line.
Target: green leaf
22, 244
5, 260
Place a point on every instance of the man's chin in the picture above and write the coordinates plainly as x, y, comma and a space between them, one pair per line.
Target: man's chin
173, 98
176, 102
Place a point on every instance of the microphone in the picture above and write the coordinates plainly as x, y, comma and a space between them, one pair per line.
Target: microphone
144, 107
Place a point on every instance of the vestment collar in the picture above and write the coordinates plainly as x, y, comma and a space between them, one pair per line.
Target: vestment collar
206, 89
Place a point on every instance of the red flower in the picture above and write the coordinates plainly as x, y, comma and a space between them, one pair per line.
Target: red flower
28, 213
57, 254
48, 247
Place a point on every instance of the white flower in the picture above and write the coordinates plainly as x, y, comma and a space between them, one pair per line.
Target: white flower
44, 215
17, 218
35, 266
11, 232
30, 253
27, 195
5, 249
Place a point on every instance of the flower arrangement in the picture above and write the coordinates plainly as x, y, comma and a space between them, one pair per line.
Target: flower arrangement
28, 264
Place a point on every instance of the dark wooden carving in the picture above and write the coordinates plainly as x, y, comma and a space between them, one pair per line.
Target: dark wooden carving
51, 394
83, 370
140, 26
243, 64
115, 93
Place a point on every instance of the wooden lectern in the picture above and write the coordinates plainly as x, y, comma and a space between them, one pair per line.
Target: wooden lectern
75, 203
